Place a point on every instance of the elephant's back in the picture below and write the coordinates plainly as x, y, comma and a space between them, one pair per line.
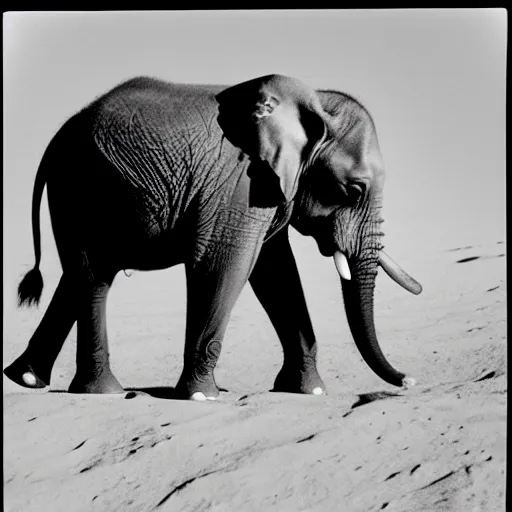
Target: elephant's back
146, 94
151, 117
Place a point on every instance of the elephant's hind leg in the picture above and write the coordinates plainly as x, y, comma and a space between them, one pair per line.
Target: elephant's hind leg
93, 374
34, 367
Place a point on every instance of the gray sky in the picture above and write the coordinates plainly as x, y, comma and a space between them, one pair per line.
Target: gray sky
434, 81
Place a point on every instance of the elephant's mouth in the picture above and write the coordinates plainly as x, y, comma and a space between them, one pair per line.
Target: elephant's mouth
322, 232
326, 248
324, 241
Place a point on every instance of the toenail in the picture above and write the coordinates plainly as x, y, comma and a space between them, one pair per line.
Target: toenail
408, 382
29, 379
198, 396
318, 391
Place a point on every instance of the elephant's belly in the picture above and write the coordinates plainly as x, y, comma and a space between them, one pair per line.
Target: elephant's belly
121, 241
153, 258
148, 252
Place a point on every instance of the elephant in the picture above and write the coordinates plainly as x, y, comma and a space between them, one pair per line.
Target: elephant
154, 174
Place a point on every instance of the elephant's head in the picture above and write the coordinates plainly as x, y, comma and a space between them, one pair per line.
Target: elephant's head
323, 148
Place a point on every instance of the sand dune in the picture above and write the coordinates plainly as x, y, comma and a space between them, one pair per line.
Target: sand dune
364, 446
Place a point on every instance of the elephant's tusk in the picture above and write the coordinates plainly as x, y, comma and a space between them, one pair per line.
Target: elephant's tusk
399, 275
340, 260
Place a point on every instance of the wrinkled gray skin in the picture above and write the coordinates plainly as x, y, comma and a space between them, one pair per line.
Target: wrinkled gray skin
155, 174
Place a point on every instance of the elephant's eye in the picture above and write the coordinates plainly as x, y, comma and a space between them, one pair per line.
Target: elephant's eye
357, 187
354, 191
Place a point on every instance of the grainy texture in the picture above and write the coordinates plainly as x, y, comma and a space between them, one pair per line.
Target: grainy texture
363, 447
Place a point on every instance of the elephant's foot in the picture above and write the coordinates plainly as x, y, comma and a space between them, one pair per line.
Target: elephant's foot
197, 389
102, 383
299, 380
24, 375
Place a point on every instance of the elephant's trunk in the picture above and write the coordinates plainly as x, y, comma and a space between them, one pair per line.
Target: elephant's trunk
358, 298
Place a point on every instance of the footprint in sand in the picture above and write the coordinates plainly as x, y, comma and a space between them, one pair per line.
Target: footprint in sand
465, 260
488, 375
486, 257
366, 398
473, 258
467, 247
461, 248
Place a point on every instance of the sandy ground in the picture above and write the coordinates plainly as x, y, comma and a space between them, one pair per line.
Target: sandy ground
363, 447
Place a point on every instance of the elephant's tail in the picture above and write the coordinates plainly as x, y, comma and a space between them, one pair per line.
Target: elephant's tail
31, 286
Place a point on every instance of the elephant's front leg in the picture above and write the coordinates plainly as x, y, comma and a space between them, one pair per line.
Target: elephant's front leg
213, 287
276, 282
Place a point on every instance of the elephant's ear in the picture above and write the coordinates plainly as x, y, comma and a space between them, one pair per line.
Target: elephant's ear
276, 119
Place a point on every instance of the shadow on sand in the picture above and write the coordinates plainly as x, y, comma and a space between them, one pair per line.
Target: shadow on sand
163, 392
